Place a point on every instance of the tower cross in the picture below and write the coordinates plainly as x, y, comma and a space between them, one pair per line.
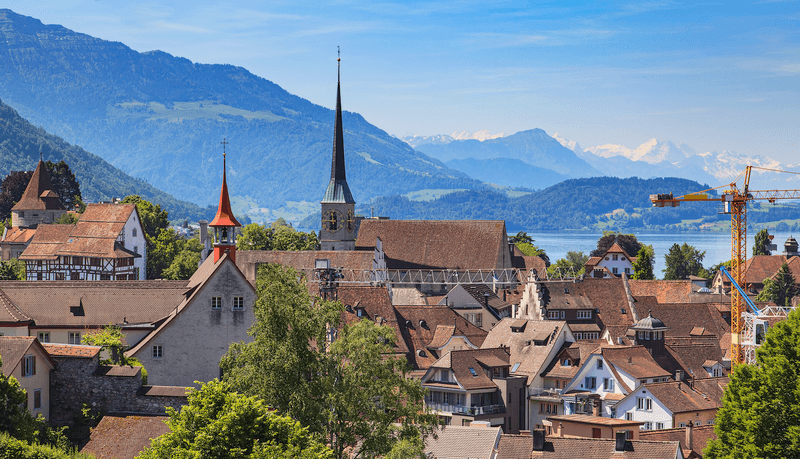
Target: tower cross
224, 144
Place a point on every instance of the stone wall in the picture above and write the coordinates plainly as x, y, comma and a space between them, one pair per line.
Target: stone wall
105, 389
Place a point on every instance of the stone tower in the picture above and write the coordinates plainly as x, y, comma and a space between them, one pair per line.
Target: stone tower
339, 222
39, 203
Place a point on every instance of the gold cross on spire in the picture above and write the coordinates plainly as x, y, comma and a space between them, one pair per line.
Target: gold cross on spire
224, 144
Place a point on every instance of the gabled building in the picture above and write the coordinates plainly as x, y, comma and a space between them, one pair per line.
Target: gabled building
667, 405
28, 362
614, 263
475, 385
760, 267
536, 446
107, 243
478, 303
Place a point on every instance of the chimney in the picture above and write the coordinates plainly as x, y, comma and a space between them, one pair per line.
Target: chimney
678, 375
620, 441
538, 439
689, 428
560, 430
596, 404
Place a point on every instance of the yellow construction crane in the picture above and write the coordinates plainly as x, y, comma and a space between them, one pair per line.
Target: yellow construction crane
733, 201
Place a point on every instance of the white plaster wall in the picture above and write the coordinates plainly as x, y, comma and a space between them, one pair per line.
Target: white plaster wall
139, 242
659, 413
195, 341
619, 264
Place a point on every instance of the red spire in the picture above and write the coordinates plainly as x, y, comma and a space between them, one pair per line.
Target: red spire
224, 215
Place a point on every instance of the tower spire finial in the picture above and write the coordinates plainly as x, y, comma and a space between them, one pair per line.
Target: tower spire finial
338, 64
41, 156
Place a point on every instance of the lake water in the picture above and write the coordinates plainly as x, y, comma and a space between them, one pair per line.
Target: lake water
716, 245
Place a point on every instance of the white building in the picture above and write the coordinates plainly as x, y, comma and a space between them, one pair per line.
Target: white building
614, 263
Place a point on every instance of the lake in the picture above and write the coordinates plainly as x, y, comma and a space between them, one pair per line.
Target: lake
716, 245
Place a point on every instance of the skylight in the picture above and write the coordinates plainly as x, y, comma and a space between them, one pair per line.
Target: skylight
515, 367
472, 370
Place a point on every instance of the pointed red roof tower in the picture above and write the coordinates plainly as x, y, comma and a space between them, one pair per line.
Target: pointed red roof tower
224, 222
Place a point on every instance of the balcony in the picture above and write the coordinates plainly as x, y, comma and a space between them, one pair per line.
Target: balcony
467, 410
550, 393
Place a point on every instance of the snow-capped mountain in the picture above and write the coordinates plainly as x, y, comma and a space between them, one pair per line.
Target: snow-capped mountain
571, 144
481, 135
652, 151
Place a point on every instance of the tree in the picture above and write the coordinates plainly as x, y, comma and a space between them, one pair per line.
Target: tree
683, 261
65, 185
287, 238
780, 289
254, 237
643, 266
760, 413
69, 218
521, 237
13, 269
293, 367
154, 220
761, 243
222, 424
109, 338
628, 242
11, 191
574, 263
186, 261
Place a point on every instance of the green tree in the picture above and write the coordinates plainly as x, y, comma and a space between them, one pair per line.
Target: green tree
761, 243
254, 237
154, 219
289, 365
643, 266
220, 423
68, 218
65, 185
162, 251
11, 191
287, 238
186, 261
521, 236
780, 289
574, 263
628, 242
760, 413
13, 269
109, 338
683, 261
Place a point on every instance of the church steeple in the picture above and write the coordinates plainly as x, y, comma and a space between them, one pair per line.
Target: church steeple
339, 223
224, 222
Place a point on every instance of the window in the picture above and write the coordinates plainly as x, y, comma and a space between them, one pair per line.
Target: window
644, 404
515, 367
444, 375
715, 372
590, 382
238, 303
627, 270
584, 314
599, 364
648, 426
133, 232
553, 314
29, 365
659, 425
473, 372
216, 302
615, 270
629, 416
37, 399
566, 362
475, 318
608, 384
136, 249
44, 337
710, 422
682, 424
615, 257
158, 351
74, 338
698, 423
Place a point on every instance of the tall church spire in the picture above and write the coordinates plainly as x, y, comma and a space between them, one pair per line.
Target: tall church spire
224, 222
338, 191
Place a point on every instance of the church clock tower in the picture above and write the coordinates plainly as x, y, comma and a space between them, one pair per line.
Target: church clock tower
339, 223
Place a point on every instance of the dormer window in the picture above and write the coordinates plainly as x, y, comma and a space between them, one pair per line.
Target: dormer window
566, 363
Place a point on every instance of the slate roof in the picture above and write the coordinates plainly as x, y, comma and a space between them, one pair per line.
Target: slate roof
124, 437
338, 191
461, 361
439, 244
71, 350
248, 260
418, 336
375, 303
94, 235
521, 338
459, 442
701, 435
13, 348
679, 397
35, 196
97, 303
520, 446
634, 360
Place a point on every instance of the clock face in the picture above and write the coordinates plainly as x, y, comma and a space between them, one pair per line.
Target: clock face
351, 221
332, 221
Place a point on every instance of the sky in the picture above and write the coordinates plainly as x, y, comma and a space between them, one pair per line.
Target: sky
714, 75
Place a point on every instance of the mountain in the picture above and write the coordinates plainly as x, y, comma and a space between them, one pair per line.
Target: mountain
481, 135
21, 143
652, 152
533, 147
507, 172
416, 140
161, 118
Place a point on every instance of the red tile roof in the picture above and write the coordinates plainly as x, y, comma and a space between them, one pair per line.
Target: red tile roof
35, 196
19, 235
679, 397
634, 360
701, 435
224, 215
71, 350
520, 446
529, 342
124, 437
665, 291
248, 260
441, 244
461, 361
375, 303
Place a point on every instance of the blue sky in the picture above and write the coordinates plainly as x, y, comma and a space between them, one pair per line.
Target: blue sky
717, 76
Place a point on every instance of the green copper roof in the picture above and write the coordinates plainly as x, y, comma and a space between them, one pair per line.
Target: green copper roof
338, 192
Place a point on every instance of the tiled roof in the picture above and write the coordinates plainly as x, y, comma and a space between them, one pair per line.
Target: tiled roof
13, 348
472, 442
19, 235
442, 244
577, 352
418, 336
413, 296
594, 420
375, 303
692, 357
35, 196
10, 312
164, 391
529, 346
701, 435
461, 361
760, 267
118, 370
634, 360
71, 350
679, 397
478, 293
248, 260
665, 291
527, 262
607, 295
520, 446
124, 437
47, 242
96, 303
682, 318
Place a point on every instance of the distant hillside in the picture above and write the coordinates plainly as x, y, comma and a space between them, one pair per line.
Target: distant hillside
21, 142
507, 172
580, 204
161, 118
